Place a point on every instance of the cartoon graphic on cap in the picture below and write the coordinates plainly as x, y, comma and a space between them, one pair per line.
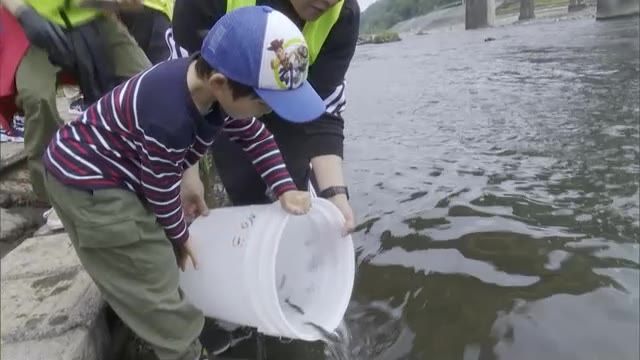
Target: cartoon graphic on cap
291, 62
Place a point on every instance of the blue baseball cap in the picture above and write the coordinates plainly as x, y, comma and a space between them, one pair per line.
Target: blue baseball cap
260, 47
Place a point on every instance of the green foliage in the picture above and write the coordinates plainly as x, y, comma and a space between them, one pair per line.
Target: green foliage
383, 14
381, 38
206, 163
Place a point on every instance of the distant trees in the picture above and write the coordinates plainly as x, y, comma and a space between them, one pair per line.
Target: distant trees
383, 14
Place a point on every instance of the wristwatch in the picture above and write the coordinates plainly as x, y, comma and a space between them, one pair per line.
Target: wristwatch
333, 191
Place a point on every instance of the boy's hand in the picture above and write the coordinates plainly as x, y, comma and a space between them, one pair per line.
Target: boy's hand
185, 253
295, 202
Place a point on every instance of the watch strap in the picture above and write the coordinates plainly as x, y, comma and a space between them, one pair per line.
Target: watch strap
333, 191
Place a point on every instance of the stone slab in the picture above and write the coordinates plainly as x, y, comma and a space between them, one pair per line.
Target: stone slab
76, 344
10, 154
50, 308
15, 188
41, 256
14, 223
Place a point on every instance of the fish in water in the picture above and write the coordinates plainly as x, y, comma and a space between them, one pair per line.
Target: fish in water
295, 307
328, 336
283, 280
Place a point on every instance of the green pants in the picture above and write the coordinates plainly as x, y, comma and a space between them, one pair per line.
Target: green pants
36, 82
132, 262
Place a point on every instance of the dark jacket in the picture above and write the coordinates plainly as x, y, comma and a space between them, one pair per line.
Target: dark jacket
93, 67
78, 49
193, 18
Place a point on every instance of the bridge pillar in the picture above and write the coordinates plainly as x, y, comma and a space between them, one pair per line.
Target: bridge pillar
576, 5
527, 10
479, 13
607, 9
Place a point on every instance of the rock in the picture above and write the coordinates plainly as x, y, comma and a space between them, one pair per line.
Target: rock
50, 308
10, 154
381, 38
42, 256
15, 188
75, 344
14, 223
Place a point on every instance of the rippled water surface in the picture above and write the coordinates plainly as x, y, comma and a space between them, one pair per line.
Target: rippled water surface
497, 187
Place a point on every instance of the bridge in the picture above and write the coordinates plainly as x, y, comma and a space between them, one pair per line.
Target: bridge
482, 13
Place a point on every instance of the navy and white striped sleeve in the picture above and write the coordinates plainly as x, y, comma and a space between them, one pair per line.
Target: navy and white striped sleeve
160, 179
161, 149
204, 139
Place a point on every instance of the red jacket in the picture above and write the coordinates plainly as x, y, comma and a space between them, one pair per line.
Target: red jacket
13, 46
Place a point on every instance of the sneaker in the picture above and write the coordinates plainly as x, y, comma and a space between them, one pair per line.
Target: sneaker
15, 133
77, 106
52, 220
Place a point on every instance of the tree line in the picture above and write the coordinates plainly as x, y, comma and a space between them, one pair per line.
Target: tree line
383, 14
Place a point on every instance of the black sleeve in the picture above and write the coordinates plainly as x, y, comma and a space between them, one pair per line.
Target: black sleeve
192, 19
327, 74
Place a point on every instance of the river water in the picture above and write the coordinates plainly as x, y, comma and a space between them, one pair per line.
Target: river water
497, 184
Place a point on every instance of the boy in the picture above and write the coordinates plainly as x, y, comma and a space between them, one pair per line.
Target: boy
114, 174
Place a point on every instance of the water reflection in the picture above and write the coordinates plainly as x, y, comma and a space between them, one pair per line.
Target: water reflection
506, 225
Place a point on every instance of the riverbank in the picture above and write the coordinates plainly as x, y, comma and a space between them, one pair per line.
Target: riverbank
452, 19
51, 309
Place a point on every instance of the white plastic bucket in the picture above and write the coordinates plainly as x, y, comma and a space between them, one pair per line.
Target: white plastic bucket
264, 268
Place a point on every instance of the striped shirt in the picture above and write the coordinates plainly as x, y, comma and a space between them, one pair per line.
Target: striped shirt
143, 134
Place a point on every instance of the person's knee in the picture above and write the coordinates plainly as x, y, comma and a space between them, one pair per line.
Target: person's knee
33, 95
41, 123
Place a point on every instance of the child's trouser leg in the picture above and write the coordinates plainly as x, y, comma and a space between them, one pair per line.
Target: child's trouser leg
131, 261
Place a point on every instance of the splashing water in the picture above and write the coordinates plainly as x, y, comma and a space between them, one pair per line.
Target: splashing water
338, 346
364, 334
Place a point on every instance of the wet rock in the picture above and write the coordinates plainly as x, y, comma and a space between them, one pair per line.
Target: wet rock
50, 307
14, 223
15, 188
11, 154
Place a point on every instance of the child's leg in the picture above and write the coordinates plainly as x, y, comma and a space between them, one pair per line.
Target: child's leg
133, 264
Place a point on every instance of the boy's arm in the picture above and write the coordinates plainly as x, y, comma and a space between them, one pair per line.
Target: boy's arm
160, 179
196, 152
259, 144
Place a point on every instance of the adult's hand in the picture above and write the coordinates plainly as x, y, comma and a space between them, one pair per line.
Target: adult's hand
342, 203
328, 172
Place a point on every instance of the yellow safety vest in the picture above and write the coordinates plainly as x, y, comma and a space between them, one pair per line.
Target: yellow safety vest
164, 6
315, 32
50, 10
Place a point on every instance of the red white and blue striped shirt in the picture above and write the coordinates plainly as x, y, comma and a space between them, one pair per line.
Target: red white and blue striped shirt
143, 134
